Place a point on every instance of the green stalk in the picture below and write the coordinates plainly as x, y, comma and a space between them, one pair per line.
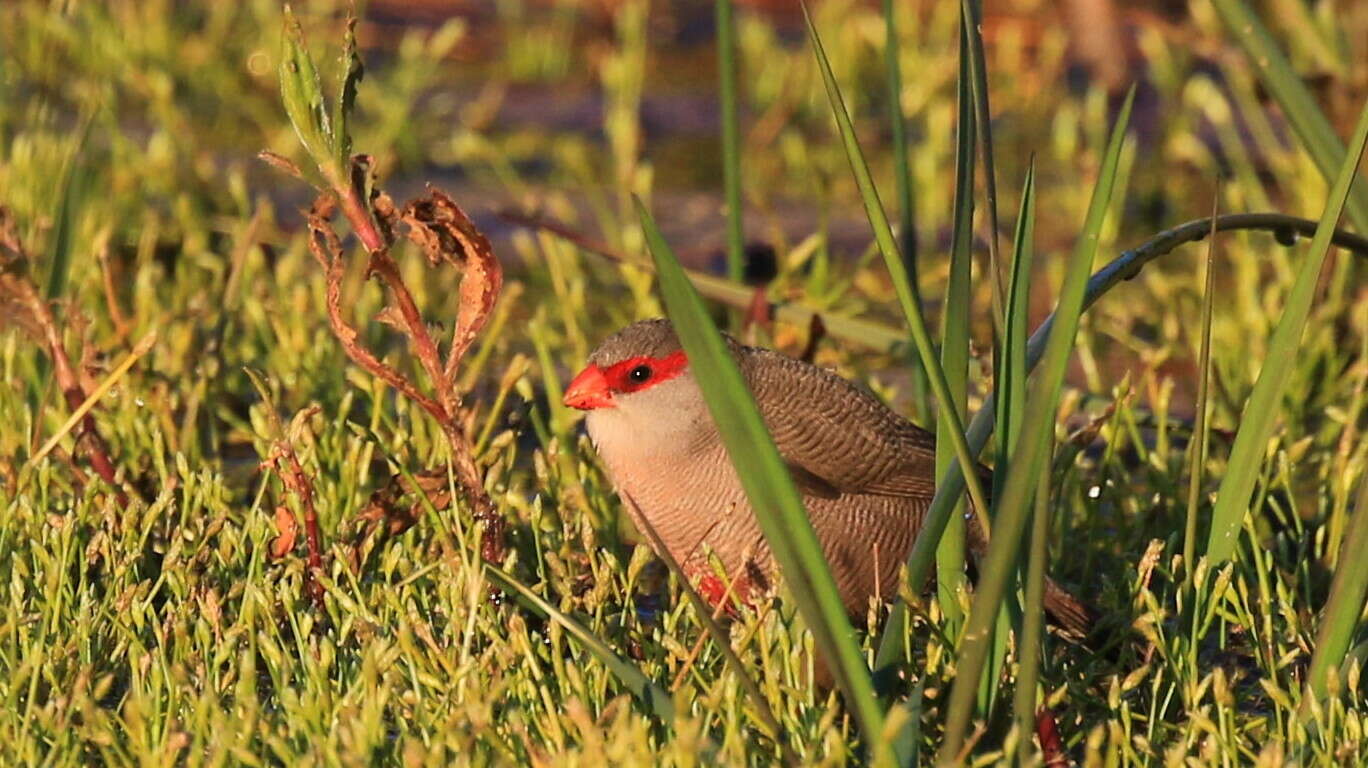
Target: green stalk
1033, 618
902, 162
731, 137
1256, 423
1037, 432
769, 488
954, 350
1199, 427
971, 20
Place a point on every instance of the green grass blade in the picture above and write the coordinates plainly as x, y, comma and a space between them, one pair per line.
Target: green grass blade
971, 21
883, 237
765, 478
70, 192
902, 162
1037, 430
1298, 105
1010, 383
1342, 611
1199, 427
954, 350
1264, 404
731, 136
1033, 618
656, 698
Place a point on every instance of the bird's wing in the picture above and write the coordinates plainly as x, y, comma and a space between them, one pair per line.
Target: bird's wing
836, 436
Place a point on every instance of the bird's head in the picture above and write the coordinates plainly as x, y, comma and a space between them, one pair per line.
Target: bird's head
640, 364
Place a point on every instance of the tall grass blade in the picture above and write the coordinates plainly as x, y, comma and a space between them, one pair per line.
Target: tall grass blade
1291, 93
1009, 385
769, 488
902, 162
954, 350
656, 698
971, 22
1264, 404
883, 237
1345, 606
1037, 432
731, 136
1033, 618
1199, 427
71, 191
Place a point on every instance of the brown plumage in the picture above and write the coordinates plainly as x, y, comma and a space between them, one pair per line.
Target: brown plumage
866, 474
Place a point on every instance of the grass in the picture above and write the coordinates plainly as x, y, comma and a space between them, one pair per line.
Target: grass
163, 631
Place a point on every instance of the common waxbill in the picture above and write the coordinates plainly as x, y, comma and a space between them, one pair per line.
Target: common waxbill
865, 473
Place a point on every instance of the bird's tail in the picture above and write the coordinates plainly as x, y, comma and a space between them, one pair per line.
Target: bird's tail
1071, 615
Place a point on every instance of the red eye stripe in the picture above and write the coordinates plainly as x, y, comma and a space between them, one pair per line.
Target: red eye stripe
665, 368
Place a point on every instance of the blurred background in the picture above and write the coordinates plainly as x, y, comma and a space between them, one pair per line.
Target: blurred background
567, 106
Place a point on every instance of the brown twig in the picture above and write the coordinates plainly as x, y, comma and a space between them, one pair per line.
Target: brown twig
23, 305
285, 463
447, 236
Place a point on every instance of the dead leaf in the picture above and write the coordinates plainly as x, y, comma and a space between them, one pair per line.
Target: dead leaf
288, 531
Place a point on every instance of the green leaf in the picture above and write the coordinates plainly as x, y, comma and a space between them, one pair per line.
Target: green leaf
348, 79
731, 137
1265, 401
1298, 105
71, 191
302, 93
1199, 426
1348, 591
902, 162
769, 488
1037, 432
954, 347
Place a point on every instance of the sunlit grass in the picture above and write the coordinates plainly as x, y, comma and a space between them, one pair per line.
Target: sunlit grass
164, 632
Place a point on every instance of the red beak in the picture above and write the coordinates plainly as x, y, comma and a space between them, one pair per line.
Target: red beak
589, 390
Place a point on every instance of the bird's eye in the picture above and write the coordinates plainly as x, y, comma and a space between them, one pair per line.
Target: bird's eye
640, 373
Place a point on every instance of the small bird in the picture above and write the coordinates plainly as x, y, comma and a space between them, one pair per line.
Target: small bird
866, 474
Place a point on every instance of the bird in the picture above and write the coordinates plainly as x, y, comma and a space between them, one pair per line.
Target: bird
866, 474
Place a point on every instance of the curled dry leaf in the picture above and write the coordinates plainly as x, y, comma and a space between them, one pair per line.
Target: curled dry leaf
446, 234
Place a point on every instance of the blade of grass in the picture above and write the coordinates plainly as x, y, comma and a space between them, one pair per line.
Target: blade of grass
1199, 430
71, 190
883, 237
902, 162
731, 136
1010, 383
1256, 422
1033, 618
769, 488
1342, 611
1291, 93
954, 349
656, 698
1037, 432
98, 392
971, 19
